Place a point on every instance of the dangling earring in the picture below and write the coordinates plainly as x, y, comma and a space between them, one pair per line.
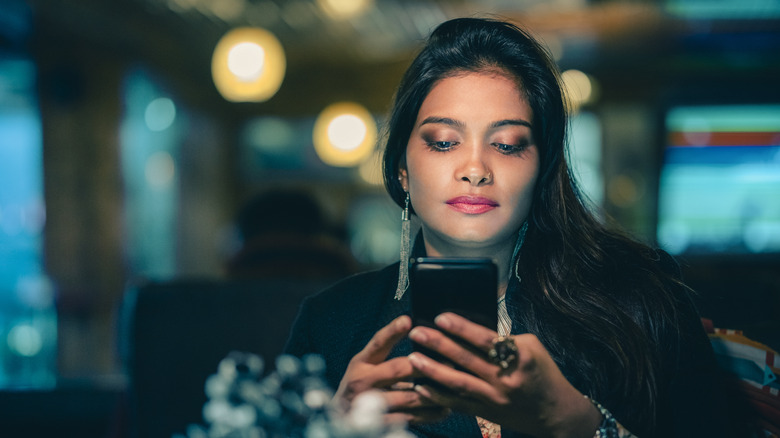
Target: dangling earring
403, 269
516, 252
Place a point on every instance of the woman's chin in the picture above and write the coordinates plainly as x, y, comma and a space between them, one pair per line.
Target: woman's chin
476, 241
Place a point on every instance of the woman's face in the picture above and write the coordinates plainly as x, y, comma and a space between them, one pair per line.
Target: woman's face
471, 163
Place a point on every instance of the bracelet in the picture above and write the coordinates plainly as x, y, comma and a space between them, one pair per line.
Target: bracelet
609, 427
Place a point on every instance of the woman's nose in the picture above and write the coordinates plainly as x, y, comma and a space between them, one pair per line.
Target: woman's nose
478, 178
475, 171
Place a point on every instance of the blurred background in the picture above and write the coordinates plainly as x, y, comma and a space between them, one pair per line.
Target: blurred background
145, 140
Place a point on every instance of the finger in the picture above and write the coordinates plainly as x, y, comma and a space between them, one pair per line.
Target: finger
383, 341
444, 398
392, 372
473, 333
362, 377
402, 386
405, 400
458, 382
421, 415
467, 356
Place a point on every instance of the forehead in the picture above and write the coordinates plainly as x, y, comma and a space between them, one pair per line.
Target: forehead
476, 95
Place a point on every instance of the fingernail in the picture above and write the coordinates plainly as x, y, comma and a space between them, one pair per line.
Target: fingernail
400, 323
402, 386
443, 321
417, 335
416, 360
422, 391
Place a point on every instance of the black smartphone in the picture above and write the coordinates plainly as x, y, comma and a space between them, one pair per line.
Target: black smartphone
465, 286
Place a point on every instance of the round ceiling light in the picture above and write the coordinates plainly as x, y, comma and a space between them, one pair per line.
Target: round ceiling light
248, 65
344, 134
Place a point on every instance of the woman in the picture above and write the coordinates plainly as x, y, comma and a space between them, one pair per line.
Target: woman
608, 343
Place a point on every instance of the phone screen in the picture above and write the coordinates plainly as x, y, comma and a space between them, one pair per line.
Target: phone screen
467, 287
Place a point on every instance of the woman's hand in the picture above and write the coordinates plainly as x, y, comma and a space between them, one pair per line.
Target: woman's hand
369, 370
531, 396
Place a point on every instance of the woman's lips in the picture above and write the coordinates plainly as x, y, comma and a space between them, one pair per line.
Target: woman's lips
472, 204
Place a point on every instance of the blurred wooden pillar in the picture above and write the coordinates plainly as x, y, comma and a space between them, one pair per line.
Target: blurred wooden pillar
80, 111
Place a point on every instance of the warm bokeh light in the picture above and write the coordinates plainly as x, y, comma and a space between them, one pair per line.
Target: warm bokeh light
344, 9
227, 10
344, 134
580, 89
248, 65
246, 60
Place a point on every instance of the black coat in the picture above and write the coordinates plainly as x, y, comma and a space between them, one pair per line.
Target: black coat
338, 322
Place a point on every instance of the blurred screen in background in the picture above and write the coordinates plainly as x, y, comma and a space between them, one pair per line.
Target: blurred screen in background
719, 187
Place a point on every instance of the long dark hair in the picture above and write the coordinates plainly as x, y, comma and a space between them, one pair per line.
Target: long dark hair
599, 301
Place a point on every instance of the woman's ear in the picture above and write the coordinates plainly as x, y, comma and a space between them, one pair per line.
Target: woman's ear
403, 178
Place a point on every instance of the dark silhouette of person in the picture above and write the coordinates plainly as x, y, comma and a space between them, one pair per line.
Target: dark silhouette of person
285, 233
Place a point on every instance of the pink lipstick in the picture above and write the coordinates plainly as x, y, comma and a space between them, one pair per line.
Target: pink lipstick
472, 204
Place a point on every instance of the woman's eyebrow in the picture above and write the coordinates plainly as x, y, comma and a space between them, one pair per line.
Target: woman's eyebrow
510, 122
444, 121
458, 124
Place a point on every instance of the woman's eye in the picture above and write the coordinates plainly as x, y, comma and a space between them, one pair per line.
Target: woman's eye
441, 145
510, 148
